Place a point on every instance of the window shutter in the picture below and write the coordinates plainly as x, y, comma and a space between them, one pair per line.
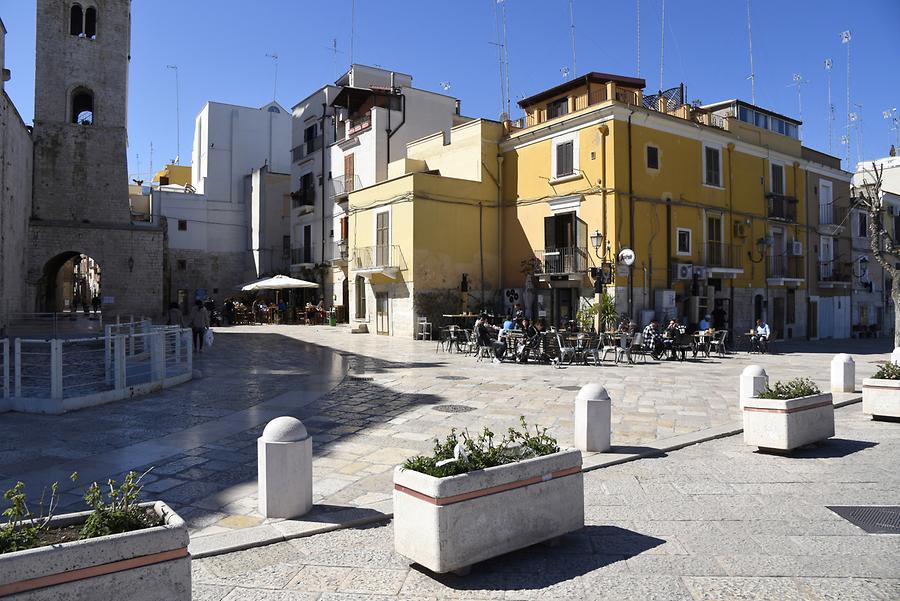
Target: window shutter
564, 159
549, 233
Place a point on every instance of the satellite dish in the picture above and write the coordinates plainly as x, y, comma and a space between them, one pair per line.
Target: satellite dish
626, 257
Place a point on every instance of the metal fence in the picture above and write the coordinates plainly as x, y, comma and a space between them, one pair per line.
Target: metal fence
57, 374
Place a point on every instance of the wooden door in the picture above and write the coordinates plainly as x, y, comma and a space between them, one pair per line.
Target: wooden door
348, 173
382, 317
383, 238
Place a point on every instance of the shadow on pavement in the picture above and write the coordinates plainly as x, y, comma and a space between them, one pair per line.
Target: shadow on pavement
542, 565
832, 448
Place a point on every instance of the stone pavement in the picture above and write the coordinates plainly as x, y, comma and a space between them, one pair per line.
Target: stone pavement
369, 402
715, 521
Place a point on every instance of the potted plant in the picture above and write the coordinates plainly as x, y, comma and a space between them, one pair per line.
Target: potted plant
474, 499
881, 392
120, 548
788, 415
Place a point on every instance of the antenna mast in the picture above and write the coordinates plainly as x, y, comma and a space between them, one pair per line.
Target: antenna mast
662, 46
572, 20
505, 54
845, 39
274, 58
799, 81
891, 116
352, 27
177, 119
752, 77
860, 147
151, 161
828, 65
638, 38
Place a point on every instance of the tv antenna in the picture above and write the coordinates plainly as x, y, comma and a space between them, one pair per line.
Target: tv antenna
894, 120
445, 85
638, 12
662, 45
274, 58
177, 117
352, 27
860, 147
334, 52
752, 77
572, 21
845, 39
565, 72
828, 65
798, 82
502, 44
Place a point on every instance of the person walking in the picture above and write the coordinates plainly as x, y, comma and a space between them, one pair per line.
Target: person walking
199, 322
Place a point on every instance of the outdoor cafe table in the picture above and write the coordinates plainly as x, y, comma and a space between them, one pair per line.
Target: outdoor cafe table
701, 342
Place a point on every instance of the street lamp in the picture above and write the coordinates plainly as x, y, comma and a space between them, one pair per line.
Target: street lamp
603, 274
596, 241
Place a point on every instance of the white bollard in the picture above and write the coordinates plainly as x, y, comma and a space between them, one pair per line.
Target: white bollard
285, 469
843, 373
754, 380
895, 356
592, 418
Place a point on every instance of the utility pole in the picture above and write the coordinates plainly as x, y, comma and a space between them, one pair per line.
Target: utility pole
177, 116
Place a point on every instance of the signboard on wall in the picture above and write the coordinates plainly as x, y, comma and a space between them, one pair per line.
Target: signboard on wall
512, 296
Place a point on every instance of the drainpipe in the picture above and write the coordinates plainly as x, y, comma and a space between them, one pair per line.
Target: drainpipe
322, 176
500, 222
630, 221
669, 243
391, 132
731, 220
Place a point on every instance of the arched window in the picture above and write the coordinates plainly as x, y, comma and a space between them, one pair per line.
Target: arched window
83, 107
90, 22
76, 20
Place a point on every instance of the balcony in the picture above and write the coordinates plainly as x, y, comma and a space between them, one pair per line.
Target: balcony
834, 274
307, 148
340, 253
381, 259
832, 219
561, 261
301, 256
304, 198
724, 258
784, 270
781, 207
343, 185
353, 126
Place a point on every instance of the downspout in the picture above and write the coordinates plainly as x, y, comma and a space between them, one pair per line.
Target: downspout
731, 220
604, 131
499, 222
630, 221
481, 248
668, 243
391, 132
322, 179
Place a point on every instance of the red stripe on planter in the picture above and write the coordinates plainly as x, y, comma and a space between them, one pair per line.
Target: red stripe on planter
792, 410
91, 572
881, 387
486, 491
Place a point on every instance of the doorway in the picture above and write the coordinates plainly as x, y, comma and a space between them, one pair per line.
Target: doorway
70, 283
778, 313
382, 316
564, 306
345, 300
813, 320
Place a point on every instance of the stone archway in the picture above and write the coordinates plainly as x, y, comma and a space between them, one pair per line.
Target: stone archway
70, 281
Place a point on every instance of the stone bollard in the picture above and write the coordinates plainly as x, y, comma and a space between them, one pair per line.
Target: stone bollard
754, 380
592, 418
895, 356
843, 373
285, 469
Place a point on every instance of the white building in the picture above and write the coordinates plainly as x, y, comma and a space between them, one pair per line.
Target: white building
229, 226
368, 117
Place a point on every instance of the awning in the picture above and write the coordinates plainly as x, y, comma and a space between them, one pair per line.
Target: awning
279, 282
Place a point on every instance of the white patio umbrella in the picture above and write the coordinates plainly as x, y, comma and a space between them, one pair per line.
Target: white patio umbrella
279, 282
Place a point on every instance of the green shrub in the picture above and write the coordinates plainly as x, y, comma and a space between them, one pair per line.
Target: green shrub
888, 371
460, 453
23, 528
792, 389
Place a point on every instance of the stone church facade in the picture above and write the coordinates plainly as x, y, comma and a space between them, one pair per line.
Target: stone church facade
80, 183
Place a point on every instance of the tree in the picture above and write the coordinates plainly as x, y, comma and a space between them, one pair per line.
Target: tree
870, 197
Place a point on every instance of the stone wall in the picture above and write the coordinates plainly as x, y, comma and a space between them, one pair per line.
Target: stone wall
221, 274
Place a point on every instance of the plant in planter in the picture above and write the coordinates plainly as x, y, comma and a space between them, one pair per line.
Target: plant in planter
788, 415
881, 392
94, 554
476, 498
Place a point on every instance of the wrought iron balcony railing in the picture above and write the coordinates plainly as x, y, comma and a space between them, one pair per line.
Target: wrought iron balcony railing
781, 207
304, 197
570, 259
726, 256
343, 185
784, 266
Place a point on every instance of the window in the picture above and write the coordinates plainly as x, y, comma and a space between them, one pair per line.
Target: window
712, 167
683, 242
285, 246
83, 107
862, 225
307, 244
564, 159
360, 297
182, 264
182, 225
777, 183
383, 238
652, 157
90, 22
558, 108
76, 20
273, 109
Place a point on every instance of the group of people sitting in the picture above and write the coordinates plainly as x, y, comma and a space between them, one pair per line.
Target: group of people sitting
659, 342
491, 336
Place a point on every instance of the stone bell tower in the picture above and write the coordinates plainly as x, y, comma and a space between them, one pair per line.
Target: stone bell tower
80, 194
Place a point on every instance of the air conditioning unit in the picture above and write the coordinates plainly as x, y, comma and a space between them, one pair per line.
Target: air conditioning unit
740, 229
796, 248
684, 271
700, 272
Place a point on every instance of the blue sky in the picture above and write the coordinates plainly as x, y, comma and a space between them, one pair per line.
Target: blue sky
220, 47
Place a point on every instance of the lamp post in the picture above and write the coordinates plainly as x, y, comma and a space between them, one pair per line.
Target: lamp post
602, 274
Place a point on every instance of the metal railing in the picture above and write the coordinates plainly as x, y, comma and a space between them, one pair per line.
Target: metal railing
340, 251
54, 324
54, 375
378, 256
720, 254
830, 214
343, 185
307, 148
781, 207
355, 125
834, 271
571, 259
304, 197
784, 266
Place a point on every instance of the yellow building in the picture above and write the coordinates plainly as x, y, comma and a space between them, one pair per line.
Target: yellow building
175, 175
425, 242
711, 201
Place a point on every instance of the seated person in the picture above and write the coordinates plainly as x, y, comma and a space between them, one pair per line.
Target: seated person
705, 323
486, 335
759, 341
653, 341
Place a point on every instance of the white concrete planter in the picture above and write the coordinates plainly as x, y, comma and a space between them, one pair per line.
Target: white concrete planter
144, 565
787, 424
448, 524
881, 398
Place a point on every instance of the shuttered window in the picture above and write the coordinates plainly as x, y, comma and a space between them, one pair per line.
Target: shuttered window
565, 159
